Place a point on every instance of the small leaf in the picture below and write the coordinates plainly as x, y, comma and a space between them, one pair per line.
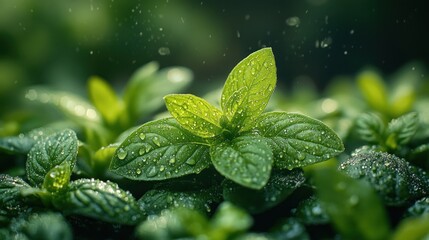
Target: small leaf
229, 220
278, 188
416, 228
298, 140
352, 205
401, 130
245, 160
50, 152
195, 114
370, 127
105, 100
47, 226
374, 91
58, 177
248, 88
160, 150
101, 200
11, 199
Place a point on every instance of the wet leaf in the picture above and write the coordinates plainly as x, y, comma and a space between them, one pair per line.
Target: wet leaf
298, 140
370, 127
195, 114
160, 150
58, 177
401, 130
245, 160
248, 88
104, 99
352, 205
47, 226
11, 199
50, 152
311, 212
101, 200
394, 179
280, 185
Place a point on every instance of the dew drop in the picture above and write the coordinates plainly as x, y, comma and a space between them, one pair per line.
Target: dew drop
122, 154
172, 160
301, 156
142, 136
138, 171
151, 171
191, 161
142, 151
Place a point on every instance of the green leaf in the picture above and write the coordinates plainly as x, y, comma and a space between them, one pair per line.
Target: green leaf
401, 130
370, 127
246, 160
58, 177
298, 140
353, 206
47, 226
100, 200
311, 212
278, 188
374, 90
248, 88
419, 208
50, 152
195, 114
105, 100
416, 228
160, 150
394, 179
229, 220
146, 88
11, 199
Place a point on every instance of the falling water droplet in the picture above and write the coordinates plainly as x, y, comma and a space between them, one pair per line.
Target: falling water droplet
293, 21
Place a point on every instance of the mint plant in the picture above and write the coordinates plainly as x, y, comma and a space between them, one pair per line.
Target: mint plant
239, 140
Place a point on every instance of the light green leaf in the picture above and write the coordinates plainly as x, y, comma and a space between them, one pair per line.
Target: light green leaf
374, 90
160, 150
370, 127
248, 88
353, 206
298, 140
195, 114
279, 187
229, 220
416, 228
401, 130
246, 160
50, 152
101, 200
58, 177
143, 94
105, 100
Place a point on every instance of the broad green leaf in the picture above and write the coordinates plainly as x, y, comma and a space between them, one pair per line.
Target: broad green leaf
248, 89
10, 193
246, 160
73, 106
401, 130
393, 178
195, 114
353, 206
47, 226
370, 127
156, 200
50, 152
58, 177
105, 100
374, 91
143, 95
298, 140
278, 188
160, 150
101, 200
416, 228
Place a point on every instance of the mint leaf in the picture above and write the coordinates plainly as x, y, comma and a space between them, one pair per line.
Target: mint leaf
353, 206
160, 150
248, 88
50, 152
47, 226
195, 114
100, 200
58, 177
11, 199
401, 130
298, 140
104, 99
370, 128
280, 185
245, 160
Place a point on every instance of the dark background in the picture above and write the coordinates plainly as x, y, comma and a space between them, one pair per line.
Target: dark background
62, 43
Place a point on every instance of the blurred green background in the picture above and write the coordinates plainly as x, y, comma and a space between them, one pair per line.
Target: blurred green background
62, 43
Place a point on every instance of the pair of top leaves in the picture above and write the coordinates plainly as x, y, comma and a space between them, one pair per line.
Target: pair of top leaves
242, 143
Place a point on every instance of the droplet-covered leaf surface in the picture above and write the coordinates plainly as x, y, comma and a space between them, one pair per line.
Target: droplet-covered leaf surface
160, 150
298, 140
248, 88
394, 179
280, 185
50, 152
401, 130
100, 200
246, 160
311, 212
46, 226
10, 193
195, 114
